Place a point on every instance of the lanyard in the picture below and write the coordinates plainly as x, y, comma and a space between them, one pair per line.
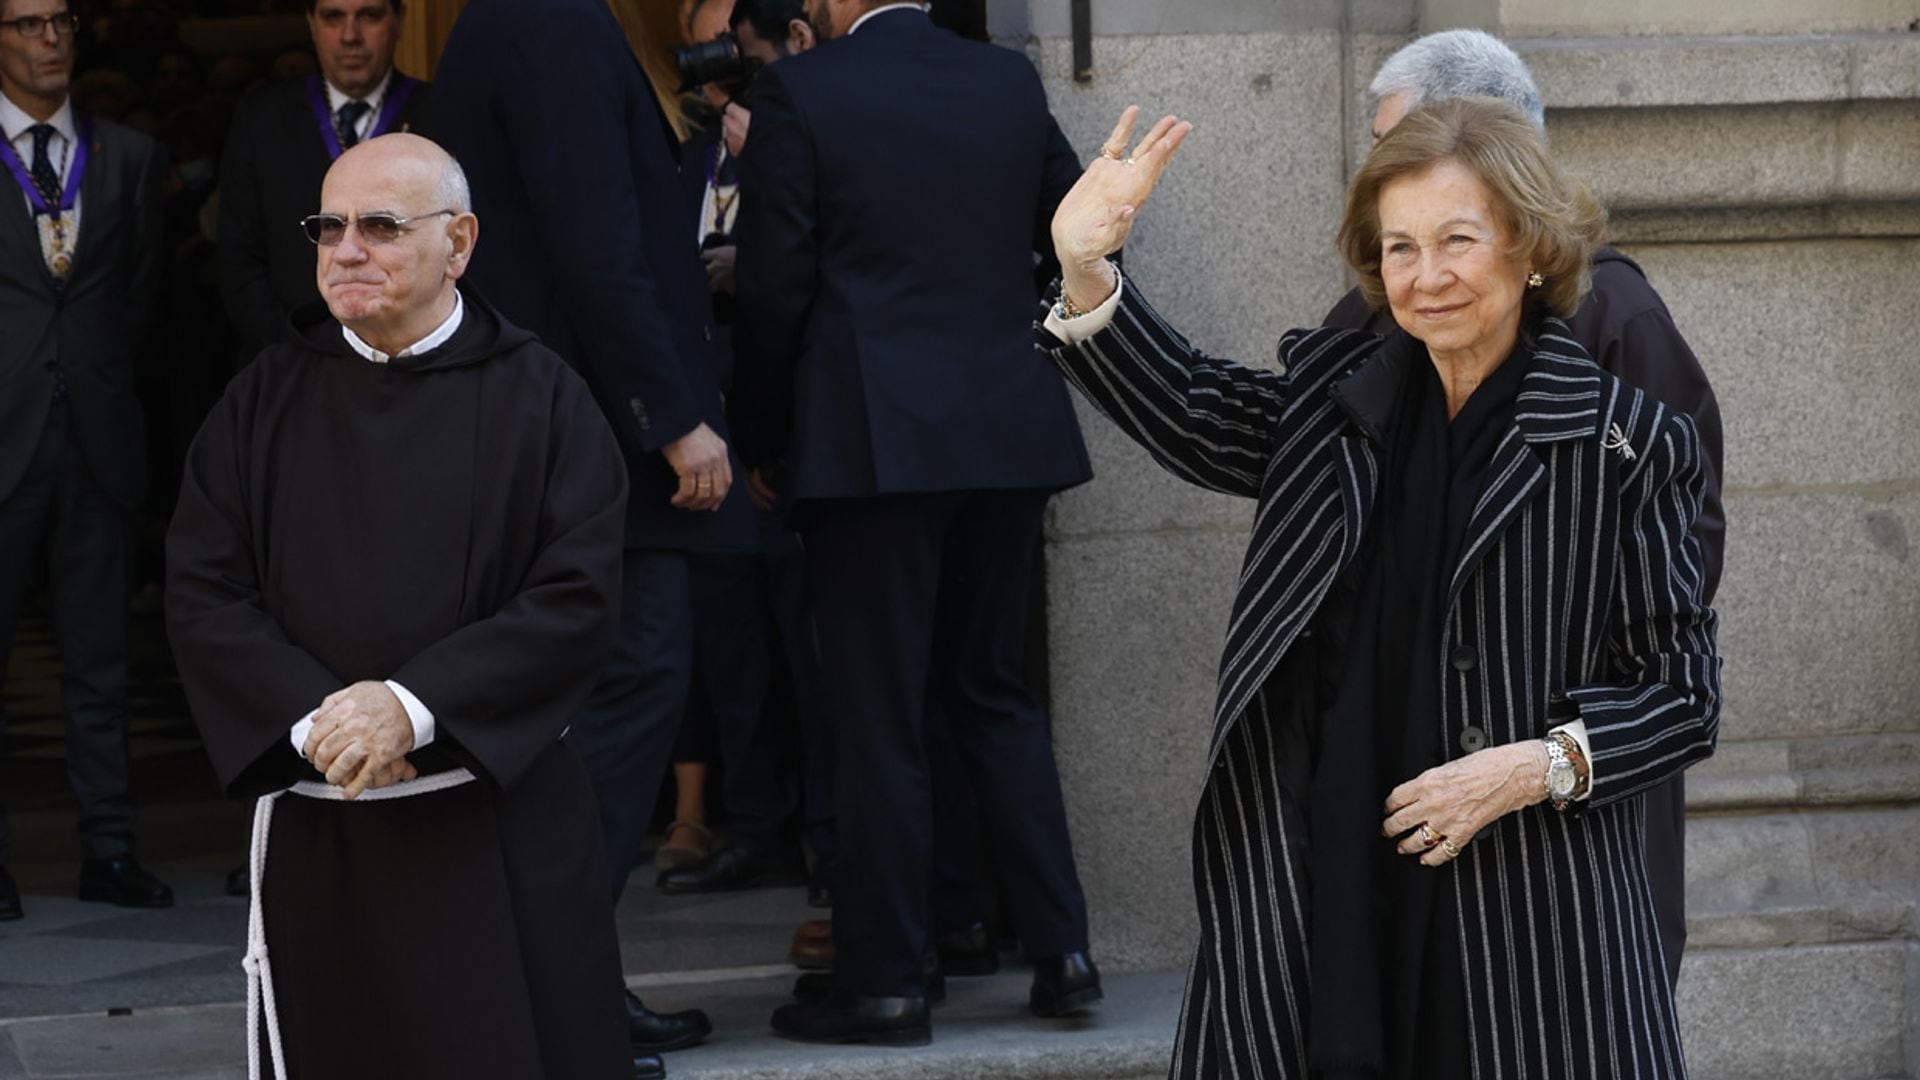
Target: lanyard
75, 171
398, 90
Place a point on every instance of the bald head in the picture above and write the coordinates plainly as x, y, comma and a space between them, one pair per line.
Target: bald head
393, 286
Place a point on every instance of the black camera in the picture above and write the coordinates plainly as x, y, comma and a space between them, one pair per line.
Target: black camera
717, 62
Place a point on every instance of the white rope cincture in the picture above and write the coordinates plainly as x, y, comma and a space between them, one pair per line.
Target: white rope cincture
259, 970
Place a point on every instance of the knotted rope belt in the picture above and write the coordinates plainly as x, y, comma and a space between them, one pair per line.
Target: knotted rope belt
259, 969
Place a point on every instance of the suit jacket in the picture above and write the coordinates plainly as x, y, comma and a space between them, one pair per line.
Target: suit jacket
94, 327
270, 176
896, 188
1626, 328
1577, 595
585, 235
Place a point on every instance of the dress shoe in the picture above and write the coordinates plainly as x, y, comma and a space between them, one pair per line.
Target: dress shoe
9, 898
818, 986
968, 952
649, 1067
1063, 985
122, 882
733, 868
656, 1033
856, 1018
812, 945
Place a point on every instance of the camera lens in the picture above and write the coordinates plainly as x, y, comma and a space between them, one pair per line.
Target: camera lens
716, 61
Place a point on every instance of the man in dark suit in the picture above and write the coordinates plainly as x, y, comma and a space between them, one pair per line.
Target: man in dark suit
895, 381
281, 143
590, 246
79, 267
1626, 328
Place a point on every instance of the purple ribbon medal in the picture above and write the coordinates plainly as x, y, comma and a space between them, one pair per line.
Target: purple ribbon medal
78, 169
398, 91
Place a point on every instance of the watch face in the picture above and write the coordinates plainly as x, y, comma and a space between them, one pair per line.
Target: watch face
1560, 779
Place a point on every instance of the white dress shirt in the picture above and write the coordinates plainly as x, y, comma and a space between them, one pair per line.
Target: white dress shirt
15, 127
1081, 327
375, 101
417, 711
881, 8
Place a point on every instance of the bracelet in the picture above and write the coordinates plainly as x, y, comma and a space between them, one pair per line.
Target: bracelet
1066, 309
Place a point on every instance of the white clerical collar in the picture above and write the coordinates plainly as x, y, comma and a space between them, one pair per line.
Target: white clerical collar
14, 120
375, 97
879, 10
426, 344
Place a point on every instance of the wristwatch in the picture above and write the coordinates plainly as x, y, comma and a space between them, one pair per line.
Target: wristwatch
1563, 779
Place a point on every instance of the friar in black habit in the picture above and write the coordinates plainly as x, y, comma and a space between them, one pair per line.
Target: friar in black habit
390, 586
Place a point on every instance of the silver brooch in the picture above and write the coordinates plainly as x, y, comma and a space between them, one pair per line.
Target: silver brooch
1617, 440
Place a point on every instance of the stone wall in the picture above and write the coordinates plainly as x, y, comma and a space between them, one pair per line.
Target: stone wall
1768, 180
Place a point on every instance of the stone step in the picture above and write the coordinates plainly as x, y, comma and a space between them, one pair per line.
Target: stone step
1804, 1012
1832, 770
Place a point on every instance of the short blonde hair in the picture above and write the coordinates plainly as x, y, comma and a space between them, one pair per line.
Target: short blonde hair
1552, 223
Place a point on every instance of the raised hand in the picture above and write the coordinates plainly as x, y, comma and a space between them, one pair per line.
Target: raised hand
1095, 218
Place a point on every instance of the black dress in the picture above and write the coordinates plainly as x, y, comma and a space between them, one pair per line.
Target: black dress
1385, 950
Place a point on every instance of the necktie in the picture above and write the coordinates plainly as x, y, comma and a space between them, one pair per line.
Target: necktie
350, 116
44, 177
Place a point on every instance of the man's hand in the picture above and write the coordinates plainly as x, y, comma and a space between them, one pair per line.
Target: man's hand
719, 262
760, 487
699, 459
360, 738
734, 120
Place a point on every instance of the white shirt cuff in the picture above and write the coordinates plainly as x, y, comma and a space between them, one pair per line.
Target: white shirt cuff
1578, 729
417, 713
1080, 328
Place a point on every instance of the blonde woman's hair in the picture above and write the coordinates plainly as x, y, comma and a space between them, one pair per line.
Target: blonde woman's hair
1549, 222
653, 28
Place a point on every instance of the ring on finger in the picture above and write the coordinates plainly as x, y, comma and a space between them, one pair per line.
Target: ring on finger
1112, 154
1448, 846
1428, 837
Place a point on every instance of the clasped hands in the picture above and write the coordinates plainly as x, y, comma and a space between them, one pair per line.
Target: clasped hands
1095, 218
360, 739
1436, 814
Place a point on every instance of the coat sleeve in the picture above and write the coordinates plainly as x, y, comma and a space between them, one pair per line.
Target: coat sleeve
1648, 352
1208, 421
1061, 171
505, 686
246, 282
246, 681
568, 111
777, 269
1661, 712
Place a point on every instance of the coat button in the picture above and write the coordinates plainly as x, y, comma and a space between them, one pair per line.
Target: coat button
1472, 739
708, 331
1463, 658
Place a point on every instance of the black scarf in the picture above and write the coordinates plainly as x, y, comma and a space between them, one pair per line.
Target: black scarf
1385, 957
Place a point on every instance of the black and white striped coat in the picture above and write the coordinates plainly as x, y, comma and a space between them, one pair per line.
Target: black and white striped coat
1578, 596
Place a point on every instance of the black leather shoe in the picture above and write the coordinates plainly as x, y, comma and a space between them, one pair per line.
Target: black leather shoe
1063, 985
733, 868
656, 1033
855, 1018
122, 882
649, 1067
818, 986
9, 898
968, 952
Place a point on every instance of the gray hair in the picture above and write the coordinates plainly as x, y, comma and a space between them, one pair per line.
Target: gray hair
454, 192
1455, 64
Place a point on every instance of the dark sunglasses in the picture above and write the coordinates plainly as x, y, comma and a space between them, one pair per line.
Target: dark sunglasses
376, 228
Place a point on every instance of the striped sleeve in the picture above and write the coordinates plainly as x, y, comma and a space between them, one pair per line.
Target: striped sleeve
1664, 712
1207, 421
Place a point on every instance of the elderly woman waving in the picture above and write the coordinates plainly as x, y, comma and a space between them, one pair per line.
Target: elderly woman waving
1468, 632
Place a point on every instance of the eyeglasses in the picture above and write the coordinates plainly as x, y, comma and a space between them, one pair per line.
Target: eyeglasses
32, 26
376, 228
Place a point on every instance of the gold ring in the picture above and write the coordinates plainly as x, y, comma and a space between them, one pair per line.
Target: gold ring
1111, 154
1428, 836
703, 482
1129, 161
1448, 846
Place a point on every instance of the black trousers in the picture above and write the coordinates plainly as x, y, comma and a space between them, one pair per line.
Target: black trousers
625, 735
919, 594
59, 509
